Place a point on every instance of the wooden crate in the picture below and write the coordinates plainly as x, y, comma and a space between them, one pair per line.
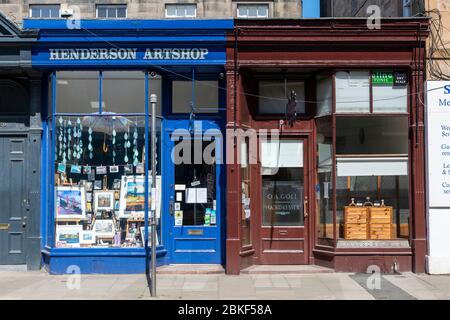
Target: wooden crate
380, 223
355, 223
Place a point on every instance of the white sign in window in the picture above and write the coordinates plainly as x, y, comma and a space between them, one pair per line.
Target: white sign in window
281, 154
355, 167
181, 10
390, 99
252, 10
353, 91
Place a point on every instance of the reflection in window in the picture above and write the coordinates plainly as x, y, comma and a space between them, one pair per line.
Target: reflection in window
206, 96
274, 94
282, 182
77, 91
324, 186
353, 91
245, 192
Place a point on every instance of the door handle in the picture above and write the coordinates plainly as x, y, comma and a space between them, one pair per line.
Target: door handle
305, 208
171, 207
24, 222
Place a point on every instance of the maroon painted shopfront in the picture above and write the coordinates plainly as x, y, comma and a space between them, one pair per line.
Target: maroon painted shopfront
355, 141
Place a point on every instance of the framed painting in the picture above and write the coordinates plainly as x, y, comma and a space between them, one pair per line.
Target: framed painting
70, 202
104, 228
104, 200
87, 237
68, 236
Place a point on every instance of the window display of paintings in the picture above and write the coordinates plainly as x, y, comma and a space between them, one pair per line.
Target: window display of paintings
87, 237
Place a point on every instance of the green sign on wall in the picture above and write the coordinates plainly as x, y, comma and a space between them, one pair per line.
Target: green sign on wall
383, 78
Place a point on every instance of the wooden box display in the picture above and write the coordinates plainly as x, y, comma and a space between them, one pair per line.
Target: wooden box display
380, 223
355, 222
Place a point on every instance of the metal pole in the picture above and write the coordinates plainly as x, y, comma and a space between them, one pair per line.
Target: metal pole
153, 100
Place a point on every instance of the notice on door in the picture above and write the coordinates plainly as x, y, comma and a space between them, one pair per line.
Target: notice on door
282, 202
438, 142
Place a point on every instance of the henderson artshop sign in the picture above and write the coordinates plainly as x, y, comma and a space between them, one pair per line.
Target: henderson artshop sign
128, 54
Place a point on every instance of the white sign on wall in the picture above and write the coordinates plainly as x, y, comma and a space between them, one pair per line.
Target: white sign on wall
438, 143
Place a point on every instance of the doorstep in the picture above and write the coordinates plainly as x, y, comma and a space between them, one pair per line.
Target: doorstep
285, 269
14, 268
191, 269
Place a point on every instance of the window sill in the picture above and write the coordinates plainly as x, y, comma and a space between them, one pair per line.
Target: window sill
373, 244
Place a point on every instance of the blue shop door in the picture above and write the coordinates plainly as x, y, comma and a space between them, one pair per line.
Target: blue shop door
194, 193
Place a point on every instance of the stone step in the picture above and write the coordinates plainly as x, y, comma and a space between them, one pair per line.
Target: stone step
191, 269
286, 269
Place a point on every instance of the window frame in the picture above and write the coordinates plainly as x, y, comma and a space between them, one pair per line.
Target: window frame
177, 7
110, 6
257, 6
319, 243
41, 6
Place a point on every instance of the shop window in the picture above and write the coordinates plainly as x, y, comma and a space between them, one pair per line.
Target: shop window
371, 135
199, 207
46, 11
99, 166
246, 10
324, 95
206, 96
124, 91
245, 192
274, 95
324, 184
388, 95
111, 11
353, 91
181, 10
282, 182
77, 91
372, 185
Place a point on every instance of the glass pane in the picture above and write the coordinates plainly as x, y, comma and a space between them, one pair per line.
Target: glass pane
252, 11
99, 181
190, 11
263, 11
324, 95
77, 91
390, 99
111, 12
121, 12
242, 11
54, 12
199, 198
101, 12
352, 91
45, 12
245, 192
35, 12
283, 198
123, 91
372, 135
171, 10
324, 186
206, 96
274, 96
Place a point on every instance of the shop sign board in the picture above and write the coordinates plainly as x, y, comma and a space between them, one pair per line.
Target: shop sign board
382, 78
174, 54
438, 142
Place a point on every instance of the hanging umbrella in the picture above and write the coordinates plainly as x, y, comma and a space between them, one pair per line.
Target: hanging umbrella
107, 123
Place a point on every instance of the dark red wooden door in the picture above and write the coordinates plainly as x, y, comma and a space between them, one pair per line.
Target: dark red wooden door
284, 210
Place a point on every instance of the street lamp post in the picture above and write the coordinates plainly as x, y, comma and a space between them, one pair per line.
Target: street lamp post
153, 100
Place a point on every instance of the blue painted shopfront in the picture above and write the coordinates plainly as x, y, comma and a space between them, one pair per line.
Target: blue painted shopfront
187, 58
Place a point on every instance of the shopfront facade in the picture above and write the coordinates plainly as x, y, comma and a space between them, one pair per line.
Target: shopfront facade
100, 76
328, 165
20, 140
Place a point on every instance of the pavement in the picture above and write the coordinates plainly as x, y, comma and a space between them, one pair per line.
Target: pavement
34, 285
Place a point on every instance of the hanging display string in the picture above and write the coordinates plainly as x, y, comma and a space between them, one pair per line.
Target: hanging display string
251, 94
